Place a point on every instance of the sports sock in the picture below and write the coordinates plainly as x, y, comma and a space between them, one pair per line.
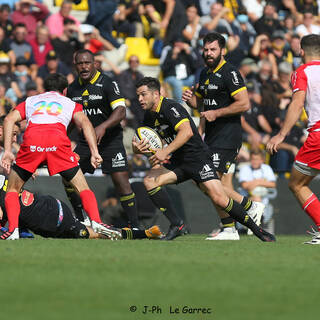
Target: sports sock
246, 203
130, 234
12, 205
129, 205
227, 222
90, 205
312, 208
161, 200
75, 201
236, 211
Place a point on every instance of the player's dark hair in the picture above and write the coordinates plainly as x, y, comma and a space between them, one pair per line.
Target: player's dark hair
311, 44
83, 51
152, 83
215, 36
55, 82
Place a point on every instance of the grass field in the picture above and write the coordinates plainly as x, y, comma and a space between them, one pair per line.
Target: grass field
101, 279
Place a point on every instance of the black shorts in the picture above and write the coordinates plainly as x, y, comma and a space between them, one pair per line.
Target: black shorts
51, 218
113, 155
198, 169
222, 159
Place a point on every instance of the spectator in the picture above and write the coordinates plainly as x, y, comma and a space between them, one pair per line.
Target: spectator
5, 21
215, 19
151, 20
41, 45
69, 42
127, 81
6, 104
254, 9
192, 29
5, 46
22, 47
307, 26
24, 13
295, 51
173, 18
22, 74
268, 23
100, 63
289, 27
31, 90
178, 65
260, 48
310, 5
55, 20
52, 65
8, 78
257, 179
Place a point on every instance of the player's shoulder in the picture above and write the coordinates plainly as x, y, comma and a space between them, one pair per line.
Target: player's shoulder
204, 74
228, 67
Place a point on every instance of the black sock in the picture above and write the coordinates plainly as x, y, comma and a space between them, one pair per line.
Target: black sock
75, 201
236, 211
129, 205
161, 200
246, 203
227, 222
133, 234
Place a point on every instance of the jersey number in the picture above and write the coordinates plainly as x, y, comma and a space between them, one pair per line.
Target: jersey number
52, 108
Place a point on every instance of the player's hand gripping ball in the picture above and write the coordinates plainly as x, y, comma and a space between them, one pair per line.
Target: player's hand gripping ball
151, 136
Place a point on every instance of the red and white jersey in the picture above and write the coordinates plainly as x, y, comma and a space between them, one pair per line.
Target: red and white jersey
48, 108
307, 78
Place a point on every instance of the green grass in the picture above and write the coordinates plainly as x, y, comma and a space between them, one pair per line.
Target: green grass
101, 279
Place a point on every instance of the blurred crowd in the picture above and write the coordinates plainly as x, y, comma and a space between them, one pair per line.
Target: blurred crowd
263, 41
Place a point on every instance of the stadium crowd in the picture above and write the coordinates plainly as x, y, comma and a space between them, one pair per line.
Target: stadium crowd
262, 41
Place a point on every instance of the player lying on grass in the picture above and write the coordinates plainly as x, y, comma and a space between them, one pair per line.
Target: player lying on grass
49, 217
188, 158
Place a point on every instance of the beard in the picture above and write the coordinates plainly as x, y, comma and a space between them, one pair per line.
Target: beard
214, 63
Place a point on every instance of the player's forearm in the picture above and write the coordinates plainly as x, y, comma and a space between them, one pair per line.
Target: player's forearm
236, 108
115, 118
292, 116
184, 134
90, 136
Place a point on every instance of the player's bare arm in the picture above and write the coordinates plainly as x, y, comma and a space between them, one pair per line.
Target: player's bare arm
142, 146
292, 116
82, 122
184, 133
8, 128
240, 105
115, 118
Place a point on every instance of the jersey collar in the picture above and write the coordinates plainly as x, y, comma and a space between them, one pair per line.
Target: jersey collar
218, 67
159, 104
93, 80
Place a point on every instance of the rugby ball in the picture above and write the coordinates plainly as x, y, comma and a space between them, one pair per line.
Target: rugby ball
149, 135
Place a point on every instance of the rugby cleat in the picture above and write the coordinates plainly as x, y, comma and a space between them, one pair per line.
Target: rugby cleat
315, 237
230, 233
255, 212
108, 231
175, 231
265, 236
14, 235
153, 232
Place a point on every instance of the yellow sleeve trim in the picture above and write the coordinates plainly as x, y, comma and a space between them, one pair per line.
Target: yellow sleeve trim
198, 94
179, 123
237, 91
116, 103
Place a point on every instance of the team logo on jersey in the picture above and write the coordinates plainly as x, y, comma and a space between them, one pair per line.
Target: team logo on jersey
218, 75
206, 172
92, 112
116, 88
27, 198
212, 87
235, 79
33, 148
215, 159
118, 160
85, 93
94, 97
76, 99
98, 84
176, 114
209, 102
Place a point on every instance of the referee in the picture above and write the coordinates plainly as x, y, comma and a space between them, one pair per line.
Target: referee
222, 96
104, 105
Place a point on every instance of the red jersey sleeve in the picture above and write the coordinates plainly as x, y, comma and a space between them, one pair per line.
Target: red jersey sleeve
299, 80
77, 108
21, 107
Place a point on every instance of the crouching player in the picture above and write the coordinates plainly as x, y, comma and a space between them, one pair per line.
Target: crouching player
188, 156
51, 218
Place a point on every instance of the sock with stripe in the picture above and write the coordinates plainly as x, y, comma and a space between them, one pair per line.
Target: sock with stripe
129, 205
130, 234
246, 203
312, 208
227, 222
90, 205
237, 212
12, 206
161, 200
75, 201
